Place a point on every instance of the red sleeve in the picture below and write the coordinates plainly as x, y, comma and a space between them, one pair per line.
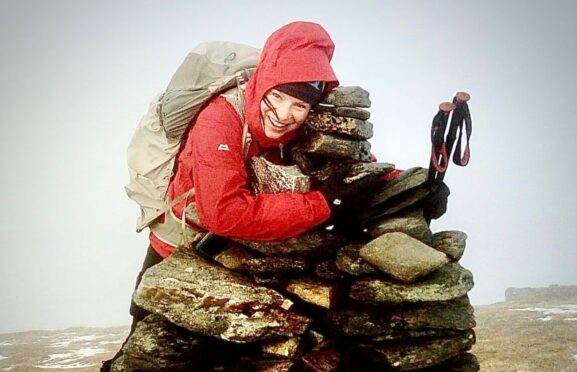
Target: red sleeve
224, 202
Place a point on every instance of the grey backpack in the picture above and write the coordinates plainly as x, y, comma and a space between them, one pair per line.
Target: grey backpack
209, 70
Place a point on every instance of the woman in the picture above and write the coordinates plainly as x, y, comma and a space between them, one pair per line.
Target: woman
293, 73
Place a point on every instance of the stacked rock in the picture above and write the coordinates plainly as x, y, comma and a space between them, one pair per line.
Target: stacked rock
389, 296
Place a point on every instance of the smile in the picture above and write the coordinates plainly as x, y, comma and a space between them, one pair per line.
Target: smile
276, 124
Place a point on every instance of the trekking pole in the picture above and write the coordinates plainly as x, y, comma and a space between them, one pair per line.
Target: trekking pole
439, 156
459, 116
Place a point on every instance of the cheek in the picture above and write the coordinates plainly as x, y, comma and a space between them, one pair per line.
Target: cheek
300, 117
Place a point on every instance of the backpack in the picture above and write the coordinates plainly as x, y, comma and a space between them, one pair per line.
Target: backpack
210, 69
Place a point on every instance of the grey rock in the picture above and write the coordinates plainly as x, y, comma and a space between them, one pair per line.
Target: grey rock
403, 257
328, 145
272, 178
403, 203
361, 170
348, 97
340, 125
452, 243
401, 321
449, 282
276, 266
407, 180
208, 299
351, 112
159, 345
350, 261
412, 223
316, 243
233, 258
411, 355
314, 291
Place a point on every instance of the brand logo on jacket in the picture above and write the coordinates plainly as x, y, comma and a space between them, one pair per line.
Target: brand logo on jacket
223, 147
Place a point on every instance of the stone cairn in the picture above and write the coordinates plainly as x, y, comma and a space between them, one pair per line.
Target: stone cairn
389, 296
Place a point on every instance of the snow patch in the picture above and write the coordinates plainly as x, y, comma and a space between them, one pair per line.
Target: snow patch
60, 344
3, 357
66, 366
547, 318
558, 310
117, 342
8, 343
70, 360
9, 368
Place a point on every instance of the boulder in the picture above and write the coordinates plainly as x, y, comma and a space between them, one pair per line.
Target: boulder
340, 125
350, 112
413, 354
449, 282
273, 178
314, 292
348, 97
412, 223
452, 243
208, 299
350, 261
402, 257
316, 243
331, 146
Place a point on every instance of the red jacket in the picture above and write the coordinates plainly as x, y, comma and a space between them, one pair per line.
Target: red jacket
211, 159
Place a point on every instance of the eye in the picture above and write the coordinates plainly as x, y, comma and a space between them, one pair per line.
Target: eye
275, 95
302, 106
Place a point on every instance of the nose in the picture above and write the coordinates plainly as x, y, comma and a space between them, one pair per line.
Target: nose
284, 112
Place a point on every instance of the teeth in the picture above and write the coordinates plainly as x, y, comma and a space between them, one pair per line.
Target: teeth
277, 124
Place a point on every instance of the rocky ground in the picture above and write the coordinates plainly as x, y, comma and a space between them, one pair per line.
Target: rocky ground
511, 336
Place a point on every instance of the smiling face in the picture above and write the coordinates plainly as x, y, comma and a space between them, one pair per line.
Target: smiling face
282, 113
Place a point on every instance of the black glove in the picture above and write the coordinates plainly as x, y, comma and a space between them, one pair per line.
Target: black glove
435, 204
344, 199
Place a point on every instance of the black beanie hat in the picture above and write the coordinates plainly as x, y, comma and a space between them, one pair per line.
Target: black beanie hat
310, 92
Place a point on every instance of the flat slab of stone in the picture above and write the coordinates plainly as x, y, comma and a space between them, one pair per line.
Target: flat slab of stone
402, 257
398, 321
415, 354
314, 292
208, 299
349, 261
361, 170
348, 97
350, 112
407, 180
341, 125
272, 178
276, 266
407, 201
452, 243
316, 243
412, 223
447, 283
331, 146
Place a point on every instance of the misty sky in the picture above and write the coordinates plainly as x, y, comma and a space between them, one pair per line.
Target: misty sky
75, 78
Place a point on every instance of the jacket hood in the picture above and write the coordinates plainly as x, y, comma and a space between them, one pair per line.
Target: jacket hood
297, 52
